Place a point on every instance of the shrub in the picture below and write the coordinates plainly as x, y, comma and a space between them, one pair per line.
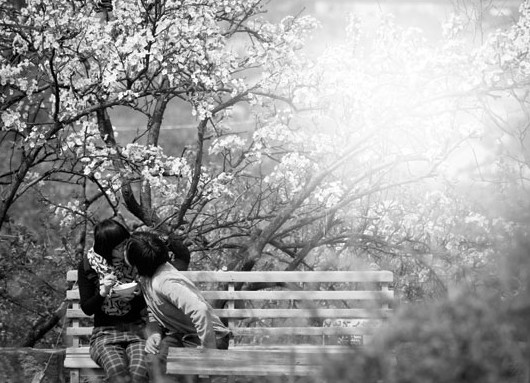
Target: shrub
467, 338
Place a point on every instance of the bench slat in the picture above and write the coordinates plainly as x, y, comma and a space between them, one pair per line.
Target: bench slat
76, 313
280, 313
280, 276
273, 361
300, 348
290, 276
80, 362
310, 331
79, 357
302, 313
272, 331
289, 360
255, 331
79, 331
242, 357
260, 369
299, 295
284, 295
295, 348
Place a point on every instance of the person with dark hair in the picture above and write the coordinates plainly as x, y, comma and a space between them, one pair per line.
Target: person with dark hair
117, 342
179, 316
180, 254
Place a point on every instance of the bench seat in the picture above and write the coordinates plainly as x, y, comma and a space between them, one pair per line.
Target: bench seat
285, 323
299, 360
79, 357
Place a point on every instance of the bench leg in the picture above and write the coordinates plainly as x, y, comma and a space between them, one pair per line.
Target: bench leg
74, 376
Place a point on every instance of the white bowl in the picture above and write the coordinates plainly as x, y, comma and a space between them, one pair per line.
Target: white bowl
125, 288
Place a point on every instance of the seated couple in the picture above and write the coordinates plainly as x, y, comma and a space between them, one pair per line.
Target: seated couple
178, 315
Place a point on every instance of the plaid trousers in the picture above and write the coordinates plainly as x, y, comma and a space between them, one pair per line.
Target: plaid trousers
120, 351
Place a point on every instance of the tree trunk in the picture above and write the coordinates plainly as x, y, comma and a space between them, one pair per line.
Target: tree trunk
43, 325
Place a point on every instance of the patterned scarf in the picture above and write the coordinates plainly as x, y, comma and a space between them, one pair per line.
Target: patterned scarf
112, 305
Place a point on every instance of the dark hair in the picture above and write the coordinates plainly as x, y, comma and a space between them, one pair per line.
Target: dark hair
181, 253
146, 251
107, 235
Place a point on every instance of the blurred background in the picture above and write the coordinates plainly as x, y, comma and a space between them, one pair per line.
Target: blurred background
333, 15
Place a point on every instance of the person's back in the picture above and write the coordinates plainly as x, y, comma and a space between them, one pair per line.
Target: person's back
176, 304
179, 316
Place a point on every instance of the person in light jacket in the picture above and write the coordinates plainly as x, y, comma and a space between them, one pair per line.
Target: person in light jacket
179, 316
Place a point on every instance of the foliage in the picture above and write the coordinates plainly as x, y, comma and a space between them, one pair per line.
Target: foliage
467, 337
458, 340
32, 279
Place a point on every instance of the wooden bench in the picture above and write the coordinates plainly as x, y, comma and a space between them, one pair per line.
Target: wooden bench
283, 322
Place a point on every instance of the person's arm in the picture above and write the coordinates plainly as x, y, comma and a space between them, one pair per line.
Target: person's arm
90, 298
192, 303
152, 326
153, 332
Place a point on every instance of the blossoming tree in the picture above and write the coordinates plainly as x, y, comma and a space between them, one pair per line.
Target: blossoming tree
344, 154
65, 68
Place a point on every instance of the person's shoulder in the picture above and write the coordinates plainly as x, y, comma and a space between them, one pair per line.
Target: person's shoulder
166, 273
166, 268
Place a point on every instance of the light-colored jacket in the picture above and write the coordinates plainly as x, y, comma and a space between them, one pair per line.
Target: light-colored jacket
177, 305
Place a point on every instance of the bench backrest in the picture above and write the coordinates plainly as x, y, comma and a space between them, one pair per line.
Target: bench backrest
327, 307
